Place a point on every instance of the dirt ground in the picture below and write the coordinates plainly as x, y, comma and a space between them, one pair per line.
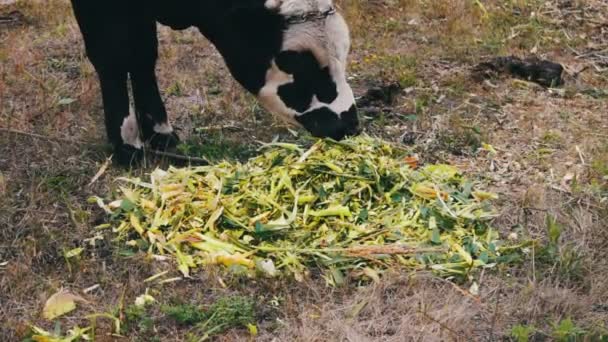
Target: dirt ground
418, 57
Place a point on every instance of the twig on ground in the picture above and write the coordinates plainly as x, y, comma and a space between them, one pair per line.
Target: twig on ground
495, 316
44, 137
441, 324
174, 156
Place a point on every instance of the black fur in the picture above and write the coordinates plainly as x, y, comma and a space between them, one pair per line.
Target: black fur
323, 122
309, 80
121, 42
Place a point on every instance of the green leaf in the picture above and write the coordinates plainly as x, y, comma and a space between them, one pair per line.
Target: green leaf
363, 215
484, 257
522, 333
554, 229
436, 236
127, 206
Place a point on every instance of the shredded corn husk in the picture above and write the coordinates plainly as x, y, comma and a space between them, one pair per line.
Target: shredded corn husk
354, 208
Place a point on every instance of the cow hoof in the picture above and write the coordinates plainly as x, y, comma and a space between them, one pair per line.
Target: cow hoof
163, 142
127, 155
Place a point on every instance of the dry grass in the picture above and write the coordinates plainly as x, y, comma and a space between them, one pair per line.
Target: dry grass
552, 162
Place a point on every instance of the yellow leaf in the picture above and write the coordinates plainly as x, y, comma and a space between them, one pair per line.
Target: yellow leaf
136, 224
441, 171
42, 338
427, 191
463, 254
489, 148
73, 253
236, 259
148, 204
253, 329
59, 304
484, 196
184, 263
101, 171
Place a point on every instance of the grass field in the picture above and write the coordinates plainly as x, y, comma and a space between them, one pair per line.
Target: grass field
550, 170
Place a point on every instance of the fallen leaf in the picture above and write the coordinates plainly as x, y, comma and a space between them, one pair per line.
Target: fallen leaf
253, 329
73, 253
489, 148
101, 171
484, 195
235, 259
66, 101
144, 300
267, 267
474, 289
412, 161
428, 191
59, 304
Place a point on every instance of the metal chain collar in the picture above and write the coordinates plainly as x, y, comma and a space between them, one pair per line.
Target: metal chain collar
310, 16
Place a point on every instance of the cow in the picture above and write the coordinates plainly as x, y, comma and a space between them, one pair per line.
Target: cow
291, 54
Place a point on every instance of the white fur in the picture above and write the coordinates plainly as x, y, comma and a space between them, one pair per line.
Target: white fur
328, 40
296, 7
337, 50
129, 131
268, 95
164, 128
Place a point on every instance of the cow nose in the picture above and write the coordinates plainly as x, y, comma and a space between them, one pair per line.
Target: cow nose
353, 131
350, 119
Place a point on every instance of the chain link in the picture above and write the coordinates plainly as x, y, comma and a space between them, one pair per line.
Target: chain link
311, 16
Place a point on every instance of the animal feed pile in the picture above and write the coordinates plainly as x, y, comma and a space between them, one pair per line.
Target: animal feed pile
343, 209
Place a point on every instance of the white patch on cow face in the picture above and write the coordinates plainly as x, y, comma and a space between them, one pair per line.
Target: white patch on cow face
164, 128
337, 50
268, 95
328, 40
129, 131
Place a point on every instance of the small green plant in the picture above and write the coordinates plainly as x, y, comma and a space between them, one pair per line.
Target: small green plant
216, 148
565, 261
59, 183
522, 333
561, 331
136, 318
552, 139
566, 331
599, 167
225, 314
185, 314
175, 90
459, 141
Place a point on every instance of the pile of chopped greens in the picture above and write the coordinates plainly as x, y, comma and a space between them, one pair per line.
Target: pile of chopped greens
346, 209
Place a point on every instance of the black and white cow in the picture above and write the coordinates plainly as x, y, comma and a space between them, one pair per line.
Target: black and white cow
290, 53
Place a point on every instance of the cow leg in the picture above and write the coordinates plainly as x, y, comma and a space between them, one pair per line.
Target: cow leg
104, 29
156, 129
121, 123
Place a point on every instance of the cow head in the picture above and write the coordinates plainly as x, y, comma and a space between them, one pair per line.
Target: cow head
306, 81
